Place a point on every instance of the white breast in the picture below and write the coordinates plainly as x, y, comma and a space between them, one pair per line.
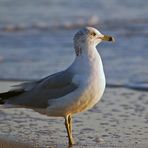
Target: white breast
91, 75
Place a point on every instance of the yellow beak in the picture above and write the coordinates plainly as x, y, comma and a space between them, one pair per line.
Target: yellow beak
108, 38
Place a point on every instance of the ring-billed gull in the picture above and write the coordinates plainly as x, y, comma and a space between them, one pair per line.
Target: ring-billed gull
71, 91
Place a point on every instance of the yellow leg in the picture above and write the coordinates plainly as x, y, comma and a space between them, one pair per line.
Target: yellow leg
68, 124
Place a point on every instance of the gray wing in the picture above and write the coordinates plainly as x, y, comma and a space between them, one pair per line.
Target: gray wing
37, 94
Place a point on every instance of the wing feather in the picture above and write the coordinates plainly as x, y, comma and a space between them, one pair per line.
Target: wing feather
51, 87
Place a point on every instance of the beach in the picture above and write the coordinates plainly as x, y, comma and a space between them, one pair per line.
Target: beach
120, 119
12, 144
36, 40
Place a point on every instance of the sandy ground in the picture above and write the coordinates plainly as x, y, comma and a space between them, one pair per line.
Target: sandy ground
12, 144
120, 119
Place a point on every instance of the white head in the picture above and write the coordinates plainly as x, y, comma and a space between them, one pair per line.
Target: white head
89, 36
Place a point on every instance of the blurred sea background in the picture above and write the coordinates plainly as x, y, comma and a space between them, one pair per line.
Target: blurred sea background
36, 38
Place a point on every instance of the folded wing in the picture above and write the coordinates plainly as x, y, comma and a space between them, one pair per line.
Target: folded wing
36, 94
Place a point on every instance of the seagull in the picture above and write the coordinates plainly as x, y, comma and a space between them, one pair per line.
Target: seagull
71, 91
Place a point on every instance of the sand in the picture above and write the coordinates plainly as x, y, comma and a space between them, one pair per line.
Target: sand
120, 119
12, 144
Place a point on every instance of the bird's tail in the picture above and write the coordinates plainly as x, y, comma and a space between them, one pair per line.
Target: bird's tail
7, 95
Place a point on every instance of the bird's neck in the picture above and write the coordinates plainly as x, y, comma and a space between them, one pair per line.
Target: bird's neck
88, 51
87, 63
88, 57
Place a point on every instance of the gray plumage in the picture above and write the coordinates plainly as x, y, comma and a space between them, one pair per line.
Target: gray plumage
30, 94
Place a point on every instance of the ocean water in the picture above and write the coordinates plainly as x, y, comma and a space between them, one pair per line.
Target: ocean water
36, 38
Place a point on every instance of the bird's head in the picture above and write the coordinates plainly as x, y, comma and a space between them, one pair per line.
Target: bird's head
89, 36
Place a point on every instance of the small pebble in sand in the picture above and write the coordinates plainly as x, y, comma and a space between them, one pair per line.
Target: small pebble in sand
99, 140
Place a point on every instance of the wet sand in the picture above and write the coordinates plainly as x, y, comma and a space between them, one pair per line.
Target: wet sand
120, 119
12, 144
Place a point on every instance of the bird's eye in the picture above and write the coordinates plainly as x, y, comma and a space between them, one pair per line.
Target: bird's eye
93, 34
